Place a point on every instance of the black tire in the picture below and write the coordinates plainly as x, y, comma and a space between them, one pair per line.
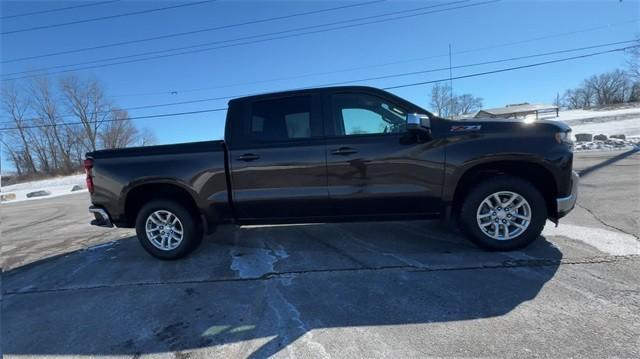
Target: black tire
478, 193
191, 228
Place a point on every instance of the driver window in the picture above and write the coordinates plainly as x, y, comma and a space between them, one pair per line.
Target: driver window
360, 114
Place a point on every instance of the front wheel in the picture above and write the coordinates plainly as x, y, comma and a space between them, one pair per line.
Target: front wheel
503, 213
167, 230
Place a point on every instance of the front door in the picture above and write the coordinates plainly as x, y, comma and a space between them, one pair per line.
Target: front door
374, 166
278, 167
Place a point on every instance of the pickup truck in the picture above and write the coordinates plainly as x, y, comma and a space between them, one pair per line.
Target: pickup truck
339, 154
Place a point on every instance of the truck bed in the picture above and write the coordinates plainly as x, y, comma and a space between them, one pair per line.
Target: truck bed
190, 147
124, 176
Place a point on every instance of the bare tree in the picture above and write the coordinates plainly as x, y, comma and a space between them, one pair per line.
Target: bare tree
634, 93
466, 103
578, 98
633, 70
86, 100
558, 101
45, 105
609, 88
633, 63
39, 143
40, 140
446, 104
14, 153
17, 106
571, 99
119, 132
581, 97
147, 137
441, 99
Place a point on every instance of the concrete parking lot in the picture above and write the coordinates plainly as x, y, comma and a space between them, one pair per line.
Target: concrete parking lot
390, 289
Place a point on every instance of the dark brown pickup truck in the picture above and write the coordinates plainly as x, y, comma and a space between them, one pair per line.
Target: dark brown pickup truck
339, 154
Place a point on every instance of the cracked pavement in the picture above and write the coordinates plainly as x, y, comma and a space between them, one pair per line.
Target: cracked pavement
389, 289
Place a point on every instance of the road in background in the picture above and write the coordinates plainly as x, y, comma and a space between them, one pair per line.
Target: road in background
389, 289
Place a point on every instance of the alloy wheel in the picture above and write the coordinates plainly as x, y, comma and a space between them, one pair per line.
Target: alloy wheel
164, 230
504, 215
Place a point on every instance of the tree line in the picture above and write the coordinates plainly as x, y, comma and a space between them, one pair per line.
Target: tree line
609, 88
613, 87
51, 125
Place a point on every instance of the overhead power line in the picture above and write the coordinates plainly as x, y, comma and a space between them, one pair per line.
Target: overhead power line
512, 68
249, 37
117, 119
43, 70
348, 69
446, 68
403, 74
167, 36
50, 26
38, 12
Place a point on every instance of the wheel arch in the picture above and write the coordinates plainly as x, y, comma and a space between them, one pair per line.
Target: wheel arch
534, 173
137, 196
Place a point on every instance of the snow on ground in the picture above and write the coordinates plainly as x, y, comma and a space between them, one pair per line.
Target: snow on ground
627, 127
52, 187
608, 122
51, 182
569, 116
622, 121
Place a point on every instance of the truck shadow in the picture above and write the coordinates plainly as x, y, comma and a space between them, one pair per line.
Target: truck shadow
587, 171
263, 288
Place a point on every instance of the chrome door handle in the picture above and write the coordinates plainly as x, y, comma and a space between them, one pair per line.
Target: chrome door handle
344, 151
248, 157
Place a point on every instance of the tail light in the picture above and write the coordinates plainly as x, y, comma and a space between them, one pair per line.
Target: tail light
88, 169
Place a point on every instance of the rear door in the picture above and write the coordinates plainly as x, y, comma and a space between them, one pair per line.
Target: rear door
374, 166
277, 160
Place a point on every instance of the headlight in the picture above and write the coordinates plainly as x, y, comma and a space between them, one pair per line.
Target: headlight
561, 137
565, 137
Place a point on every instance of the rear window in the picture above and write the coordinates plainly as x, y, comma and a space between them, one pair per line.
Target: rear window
281, 120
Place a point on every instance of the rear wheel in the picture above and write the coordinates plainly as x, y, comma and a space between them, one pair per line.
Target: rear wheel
503, 213
167, 230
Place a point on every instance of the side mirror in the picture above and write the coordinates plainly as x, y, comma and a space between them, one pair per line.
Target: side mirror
418, 122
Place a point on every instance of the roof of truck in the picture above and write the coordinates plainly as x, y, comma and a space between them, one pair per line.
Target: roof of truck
331, 89
310, 90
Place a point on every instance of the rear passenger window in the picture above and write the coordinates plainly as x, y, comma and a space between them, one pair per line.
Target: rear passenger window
281, 120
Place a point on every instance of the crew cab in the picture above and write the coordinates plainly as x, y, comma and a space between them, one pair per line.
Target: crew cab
339, 154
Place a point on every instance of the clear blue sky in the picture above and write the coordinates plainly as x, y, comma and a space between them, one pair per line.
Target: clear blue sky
138, 84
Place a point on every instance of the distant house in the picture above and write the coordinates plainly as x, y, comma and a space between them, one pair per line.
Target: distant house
520, 110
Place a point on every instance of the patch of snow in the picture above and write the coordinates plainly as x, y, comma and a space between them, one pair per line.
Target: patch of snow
56, 191
570, 116
608, 145
610, 242
624, 121
43, 184
628, 127
58, 186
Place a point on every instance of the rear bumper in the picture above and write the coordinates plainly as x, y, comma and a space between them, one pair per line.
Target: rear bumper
102, 217
566, 204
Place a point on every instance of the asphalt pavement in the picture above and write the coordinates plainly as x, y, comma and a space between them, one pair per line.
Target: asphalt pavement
391, 289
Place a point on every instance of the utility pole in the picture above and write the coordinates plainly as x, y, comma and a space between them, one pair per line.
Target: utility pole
450, 85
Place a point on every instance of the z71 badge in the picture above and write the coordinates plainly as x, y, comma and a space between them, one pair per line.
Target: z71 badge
461, 128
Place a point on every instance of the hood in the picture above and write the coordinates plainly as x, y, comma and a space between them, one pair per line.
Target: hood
495, 125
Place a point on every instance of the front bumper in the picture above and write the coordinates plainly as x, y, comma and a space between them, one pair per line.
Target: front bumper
102, 217
566, 204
